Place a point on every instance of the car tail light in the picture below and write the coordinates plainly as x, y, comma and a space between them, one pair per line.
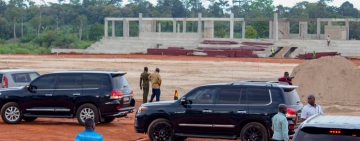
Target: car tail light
290, 113
132, 92
118, 107
335, 131
116, 94
5, 82
291, 126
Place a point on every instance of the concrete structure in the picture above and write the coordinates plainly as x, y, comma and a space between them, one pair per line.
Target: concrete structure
279, 34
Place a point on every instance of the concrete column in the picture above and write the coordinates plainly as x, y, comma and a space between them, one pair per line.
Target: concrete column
231, 25
140, 23
270, 29
184, 25
159, 27
329, 22
174, 26
178, 28
124, 28
243, 29
347, 29
199, 25
212, 30
106, 28
318, 27
276, 36
113, 28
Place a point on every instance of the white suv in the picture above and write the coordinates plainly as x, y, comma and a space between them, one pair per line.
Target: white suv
16, 77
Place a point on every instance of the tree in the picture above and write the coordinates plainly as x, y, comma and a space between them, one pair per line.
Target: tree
14, 14
4, 29
96, 31
250, 32
81, 20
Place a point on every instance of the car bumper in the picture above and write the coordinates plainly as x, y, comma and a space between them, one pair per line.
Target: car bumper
120, 113
139, 124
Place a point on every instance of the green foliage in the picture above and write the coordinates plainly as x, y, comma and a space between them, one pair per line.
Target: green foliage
96, 31
22, 48
250, 32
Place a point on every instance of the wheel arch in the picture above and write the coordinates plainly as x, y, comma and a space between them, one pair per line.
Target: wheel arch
241, 126
7, 101
154, 117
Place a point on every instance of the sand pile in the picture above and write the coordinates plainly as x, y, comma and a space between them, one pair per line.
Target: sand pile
333, 80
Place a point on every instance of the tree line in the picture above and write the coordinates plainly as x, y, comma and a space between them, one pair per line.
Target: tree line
29, 28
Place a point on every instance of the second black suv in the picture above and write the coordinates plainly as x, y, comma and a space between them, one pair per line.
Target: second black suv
101, 95
227, 110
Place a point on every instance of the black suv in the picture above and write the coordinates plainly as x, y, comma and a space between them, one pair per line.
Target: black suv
227, 110
329, 128
101, 95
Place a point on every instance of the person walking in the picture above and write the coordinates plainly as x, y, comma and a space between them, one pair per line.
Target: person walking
89, 134
311, 108
144, 84
280, 125
328, 40
155, 79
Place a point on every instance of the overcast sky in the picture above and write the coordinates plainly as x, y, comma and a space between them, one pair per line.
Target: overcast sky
288, 3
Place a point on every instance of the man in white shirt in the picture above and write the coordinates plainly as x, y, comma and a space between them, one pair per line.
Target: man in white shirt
328, 40
311, 108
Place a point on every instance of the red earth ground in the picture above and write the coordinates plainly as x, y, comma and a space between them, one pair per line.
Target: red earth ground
52, 129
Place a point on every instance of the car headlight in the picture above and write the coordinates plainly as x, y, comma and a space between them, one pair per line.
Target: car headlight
141, 109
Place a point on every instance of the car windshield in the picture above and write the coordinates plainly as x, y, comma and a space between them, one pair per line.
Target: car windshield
120, 82
292, 97
24, 77
326, 134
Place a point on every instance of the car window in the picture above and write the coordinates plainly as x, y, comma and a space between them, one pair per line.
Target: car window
120, 82
69, 81
258, 96
292, 97
277, 94
96, 81
45, 82
24, 77
1, 78
33, 75
203, 95
318, 134
230, 96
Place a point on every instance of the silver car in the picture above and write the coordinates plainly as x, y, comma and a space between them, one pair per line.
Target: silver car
16, 77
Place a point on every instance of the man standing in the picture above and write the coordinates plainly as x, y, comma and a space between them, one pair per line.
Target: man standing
272, 52
310, 109
144, 84
155, 79
280, 125
328, 40
89, 134
286, 78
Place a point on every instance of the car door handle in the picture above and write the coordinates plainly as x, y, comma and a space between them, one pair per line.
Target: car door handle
76, 94
241, 112
48, 94
206, 111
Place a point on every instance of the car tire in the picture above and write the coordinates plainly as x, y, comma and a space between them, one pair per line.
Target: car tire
11, 113
107, 120
28, 119
161, 128
87, 111
180, 138
251, 131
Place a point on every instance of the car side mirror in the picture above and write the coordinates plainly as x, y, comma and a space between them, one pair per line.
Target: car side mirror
183, 101
30, 88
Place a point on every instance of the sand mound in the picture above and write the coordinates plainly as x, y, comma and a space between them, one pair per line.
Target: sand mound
331, 79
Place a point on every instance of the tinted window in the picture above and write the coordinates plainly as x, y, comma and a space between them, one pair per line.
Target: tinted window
45, 82
258, 96
96, 81
292, 97
120, 82
323, 134
229, 96
24, 77
69, 81
203, 95
277, 95
1, 78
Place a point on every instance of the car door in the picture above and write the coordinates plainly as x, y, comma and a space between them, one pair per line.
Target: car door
230, 110
196, 116
39, 99
66, 93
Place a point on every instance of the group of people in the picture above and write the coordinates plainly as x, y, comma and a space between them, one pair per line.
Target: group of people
280, 122
155, 79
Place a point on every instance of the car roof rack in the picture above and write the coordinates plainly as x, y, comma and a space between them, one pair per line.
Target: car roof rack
262, 83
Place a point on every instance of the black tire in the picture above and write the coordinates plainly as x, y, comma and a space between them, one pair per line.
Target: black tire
108, 120
89, 108
160, 130
15, 117
248, 132
180, 138
29, 118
